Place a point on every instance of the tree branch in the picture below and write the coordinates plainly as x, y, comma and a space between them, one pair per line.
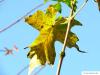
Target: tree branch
26, 67
36, 73
80, 8
19, 73
64, 46
62, 55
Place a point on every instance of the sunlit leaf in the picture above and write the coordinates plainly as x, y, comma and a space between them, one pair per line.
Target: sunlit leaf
39, 19
69, 3
51, 30
60, 31
57, 6
33, 65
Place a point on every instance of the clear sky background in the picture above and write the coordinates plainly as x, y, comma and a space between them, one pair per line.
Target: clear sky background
22, 35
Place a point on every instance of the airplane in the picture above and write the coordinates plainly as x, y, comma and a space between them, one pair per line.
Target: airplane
8, 51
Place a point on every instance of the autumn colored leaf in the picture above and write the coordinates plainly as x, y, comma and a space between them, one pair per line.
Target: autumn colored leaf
60, 31
39, 19
44, 43
42, 49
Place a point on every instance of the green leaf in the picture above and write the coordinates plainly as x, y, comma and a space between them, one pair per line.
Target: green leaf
57, 6
69, 3
45, 1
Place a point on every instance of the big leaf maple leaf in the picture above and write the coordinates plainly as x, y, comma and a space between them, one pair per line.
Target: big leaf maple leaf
42, 49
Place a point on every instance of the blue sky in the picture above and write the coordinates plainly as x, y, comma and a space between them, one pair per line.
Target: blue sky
22, 35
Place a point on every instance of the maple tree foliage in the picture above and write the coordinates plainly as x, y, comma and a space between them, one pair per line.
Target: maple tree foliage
51, 29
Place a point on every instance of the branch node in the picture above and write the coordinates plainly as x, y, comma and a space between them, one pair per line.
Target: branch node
62, 54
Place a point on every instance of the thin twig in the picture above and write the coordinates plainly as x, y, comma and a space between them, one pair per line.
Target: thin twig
36, 73
26, 67
80, 8
2, 1
66, 37
9, 26
64, 46
19, 73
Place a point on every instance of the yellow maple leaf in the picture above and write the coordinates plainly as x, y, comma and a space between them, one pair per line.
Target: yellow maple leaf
42, 50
